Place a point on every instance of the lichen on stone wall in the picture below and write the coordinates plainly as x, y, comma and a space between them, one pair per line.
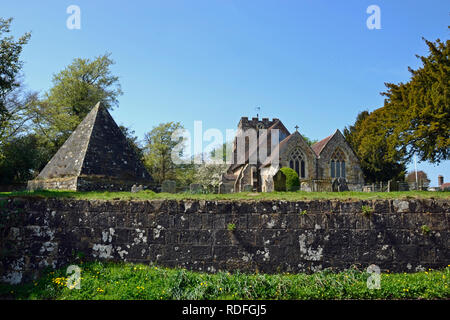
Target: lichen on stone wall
269, 236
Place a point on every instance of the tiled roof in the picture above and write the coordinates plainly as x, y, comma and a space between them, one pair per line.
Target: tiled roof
445, 186
318, 146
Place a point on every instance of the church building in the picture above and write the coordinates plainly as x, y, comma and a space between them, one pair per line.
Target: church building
318, 166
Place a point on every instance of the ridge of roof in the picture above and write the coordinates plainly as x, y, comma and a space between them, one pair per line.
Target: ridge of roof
318, 146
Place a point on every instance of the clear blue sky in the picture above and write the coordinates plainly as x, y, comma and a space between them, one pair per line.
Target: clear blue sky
311, 63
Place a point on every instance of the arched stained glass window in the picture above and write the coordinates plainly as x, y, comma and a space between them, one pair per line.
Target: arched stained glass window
337, 164
297, 163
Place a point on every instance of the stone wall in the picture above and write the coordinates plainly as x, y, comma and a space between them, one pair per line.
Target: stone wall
269, 236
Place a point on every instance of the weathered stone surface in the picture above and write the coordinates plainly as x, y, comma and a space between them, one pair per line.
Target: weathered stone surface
96, 156
339, 185
225, 188
279, 181
136, 188
269, 236
169, 186
195, 188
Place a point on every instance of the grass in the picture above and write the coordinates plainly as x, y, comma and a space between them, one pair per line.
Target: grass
126, 281
297, 195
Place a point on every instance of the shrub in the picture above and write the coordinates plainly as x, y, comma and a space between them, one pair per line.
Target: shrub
292, 181
367, 210
425, 229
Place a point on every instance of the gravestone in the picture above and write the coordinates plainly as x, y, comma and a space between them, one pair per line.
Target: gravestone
279, 181
169, 186
195, 188
225, 188
136, 188
269, 184
339, 185
305, 186
392, 186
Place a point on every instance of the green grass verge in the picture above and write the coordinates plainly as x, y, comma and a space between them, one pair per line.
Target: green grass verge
298, 195
126, 281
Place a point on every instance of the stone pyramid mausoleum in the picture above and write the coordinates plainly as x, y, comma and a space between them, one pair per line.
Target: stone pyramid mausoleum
96, 156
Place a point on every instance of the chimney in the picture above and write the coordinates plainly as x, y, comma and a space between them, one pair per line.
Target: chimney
440, 180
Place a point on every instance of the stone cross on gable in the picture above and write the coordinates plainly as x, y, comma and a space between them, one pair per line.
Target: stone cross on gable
296, 128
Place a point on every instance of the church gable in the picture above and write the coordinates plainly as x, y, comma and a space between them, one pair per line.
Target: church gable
338, 160
296, 153
337, 142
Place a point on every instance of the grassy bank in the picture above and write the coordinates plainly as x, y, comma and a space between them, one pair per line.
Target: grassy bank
129, 281
299, 195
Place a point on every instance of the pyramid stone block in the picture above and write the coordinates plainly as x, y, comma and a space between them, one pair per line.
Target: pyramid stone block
96, 156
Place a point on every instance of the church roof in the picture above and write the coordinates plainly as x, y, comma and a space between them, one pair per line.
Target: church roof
278, 125
97, 147
318, 146
278, 149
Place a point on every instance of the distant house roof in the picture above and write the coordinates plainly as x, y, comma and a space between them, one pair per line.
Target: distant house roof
445, 186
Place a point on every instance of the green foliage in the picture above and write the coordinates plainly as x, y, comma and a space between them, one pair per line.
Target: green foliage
76, 90
303, 213
369, 139
159, 150
309, 141
23, 157
425, 229
367, 210
415, 119
292, 180
10, 66
125, 281
421, 106
231, 227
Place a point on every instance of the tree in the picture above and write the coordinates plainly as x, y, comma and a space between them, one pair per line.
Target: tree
369, 138
10, 66
23, 156
422, 178
76, 90
415, 119
133, 141
213, 165
309, 141
158, 151
420, 108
